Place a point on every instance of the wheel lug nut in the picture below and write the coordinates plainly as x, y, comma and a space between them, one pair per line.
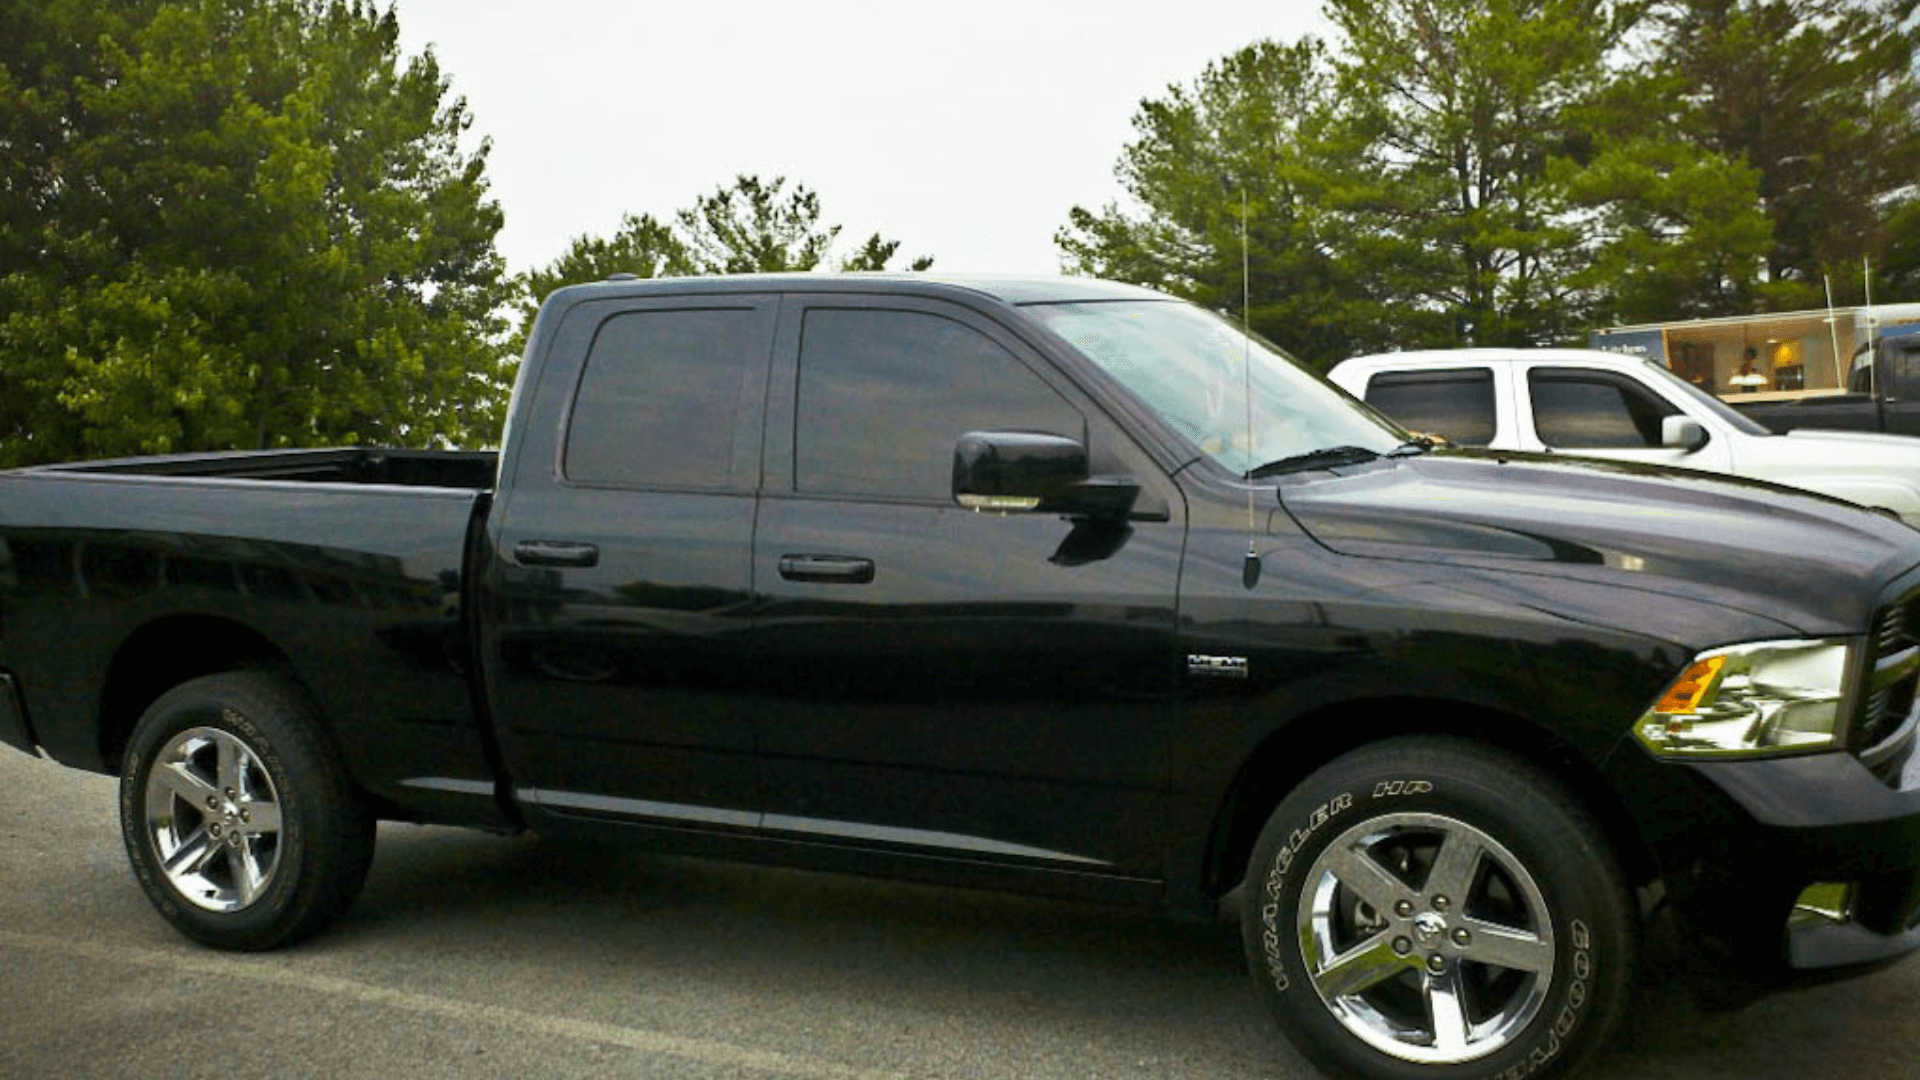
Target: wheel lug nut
1404, 909
214, 829
246, 815
1402, 946
1437, 964
213, 802
1461, 937
1441, 903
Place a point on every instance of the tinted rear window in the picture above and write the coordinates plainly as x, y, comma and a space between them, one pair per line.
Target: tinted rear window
657, 400
1457, 405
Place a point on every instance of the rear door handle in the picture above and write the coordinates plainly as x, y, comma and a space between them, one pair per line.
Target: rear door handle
555, 553
837, 569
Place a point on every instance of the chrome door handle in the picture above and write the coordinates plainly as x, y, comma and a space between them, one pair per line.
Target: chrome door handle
555, 553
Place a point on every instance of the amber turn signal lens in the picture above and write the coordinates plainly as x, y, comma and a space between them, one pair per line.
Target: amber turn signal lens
1695, 683
1752, 700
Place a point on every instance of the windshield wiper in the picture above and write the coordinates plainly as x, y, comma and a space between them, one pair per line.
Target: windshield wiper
1324, 458
1419, 444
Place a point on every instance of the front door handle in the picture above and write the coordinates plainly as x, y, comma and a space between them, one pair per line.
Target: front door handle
555, 553
836, 569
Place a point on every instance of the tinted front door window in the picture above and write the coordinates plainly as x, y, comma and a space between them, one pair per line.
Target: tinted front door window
885, 395
1577, 410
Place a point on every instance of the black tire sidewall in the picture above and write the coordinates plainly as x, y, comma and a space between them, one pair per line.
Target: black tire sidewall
1522, 809
235, 705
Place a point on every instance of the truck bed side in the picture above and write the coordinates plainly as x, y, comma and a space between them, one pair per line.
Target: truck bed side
116, 583
1836, 412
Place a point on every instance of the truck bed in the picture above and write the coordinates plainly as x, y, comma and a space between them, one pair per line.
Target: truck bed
1831, 410
346, 566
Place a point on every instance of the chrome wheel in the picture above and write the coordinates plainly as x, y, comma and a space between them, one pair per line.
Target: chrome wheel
1426, 938
213, 819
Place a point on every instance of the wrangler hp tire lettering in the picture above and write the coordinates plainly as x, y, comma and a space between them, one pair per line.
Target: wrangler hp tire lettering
240, 822
1434, 907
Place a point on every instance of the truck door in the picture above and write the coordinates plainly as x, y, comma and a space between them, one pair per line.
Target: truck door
939, 682
619, 571
1898, 365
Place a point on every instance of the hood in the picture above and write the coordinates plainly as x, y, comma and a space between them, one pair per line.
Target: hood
1814, 564
1870, 441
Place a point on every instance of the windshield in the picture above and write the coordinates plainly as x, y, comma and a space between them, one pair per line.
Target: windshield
1189, 366
1727, 413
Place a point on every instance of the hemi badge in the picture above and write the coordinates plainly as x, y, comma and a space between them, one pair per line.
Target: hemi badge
1216, 667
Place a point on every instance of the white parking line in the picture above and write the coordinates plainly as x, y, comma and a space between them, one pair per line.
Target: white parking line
722, 1055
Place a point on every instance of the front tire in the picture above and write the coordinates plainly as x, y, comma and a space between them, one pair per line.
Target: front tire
1433, 907
239, 820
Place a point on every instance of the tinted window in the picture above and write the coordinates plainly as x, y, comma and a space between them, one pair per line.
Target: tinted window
1860, 378
1903, 358
1195, 370
1575, 410
885, 395
656, 402
1457, 405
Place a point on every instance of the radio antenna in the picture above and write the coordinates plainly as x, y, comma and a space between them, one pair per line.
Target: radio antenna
1250, 568
1872, 319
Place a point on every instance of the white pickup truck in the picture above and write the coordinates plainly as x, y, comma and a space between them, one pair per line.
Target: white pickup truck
1607, 405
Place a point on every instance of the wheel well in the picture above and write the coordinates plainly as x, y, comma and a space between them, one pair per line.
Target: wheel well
163, 654
1293, 753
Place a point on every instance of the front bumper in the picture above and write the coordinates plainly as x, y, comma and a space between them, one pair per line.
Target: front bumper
1741, 844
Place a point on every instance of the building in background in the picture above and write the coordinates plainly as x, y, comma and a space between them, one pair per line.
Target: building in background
1752, 354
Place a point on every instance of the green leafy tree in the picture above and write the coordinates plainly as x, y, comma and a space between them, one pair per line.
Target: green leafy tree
642, 246
1820, 98
1675, 234
751, 227
1674, 230
1461, 105
1425, 184
1255, 125
1899, 273
743, 229
237, 223
877, 252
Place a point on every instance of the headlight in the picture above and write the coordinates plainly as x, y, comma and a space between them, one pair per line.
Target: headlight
1769, 697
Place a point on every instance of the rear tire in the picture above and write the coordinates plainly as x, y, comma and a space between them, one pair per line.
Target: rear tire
241, 823
1437, 908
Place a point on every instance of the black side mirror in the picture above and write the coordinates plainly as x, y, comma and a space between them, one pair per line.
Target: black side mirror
1029, 472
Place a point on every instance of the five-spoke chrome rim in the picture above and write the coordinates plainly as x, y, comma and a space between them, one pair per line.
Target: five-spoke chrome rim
213, 818
1426, 938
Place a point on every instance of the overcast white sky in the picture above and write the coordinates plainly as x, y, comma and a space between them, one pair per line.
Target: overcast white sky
966, 131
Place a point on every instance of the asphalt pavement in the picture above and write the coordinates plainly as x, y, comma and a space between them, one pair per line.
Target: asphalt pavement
476, 956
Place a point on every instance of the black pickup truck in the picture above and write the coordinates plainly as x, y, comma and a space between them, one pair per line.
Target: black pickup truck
1883, 394
1054, 585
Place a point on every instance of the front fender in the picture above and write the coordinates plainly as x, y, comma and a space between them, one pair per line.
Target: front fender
1874, 492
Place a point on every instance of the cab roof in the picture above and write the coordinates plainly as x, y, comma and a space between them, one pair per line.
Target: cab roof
1006, 288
